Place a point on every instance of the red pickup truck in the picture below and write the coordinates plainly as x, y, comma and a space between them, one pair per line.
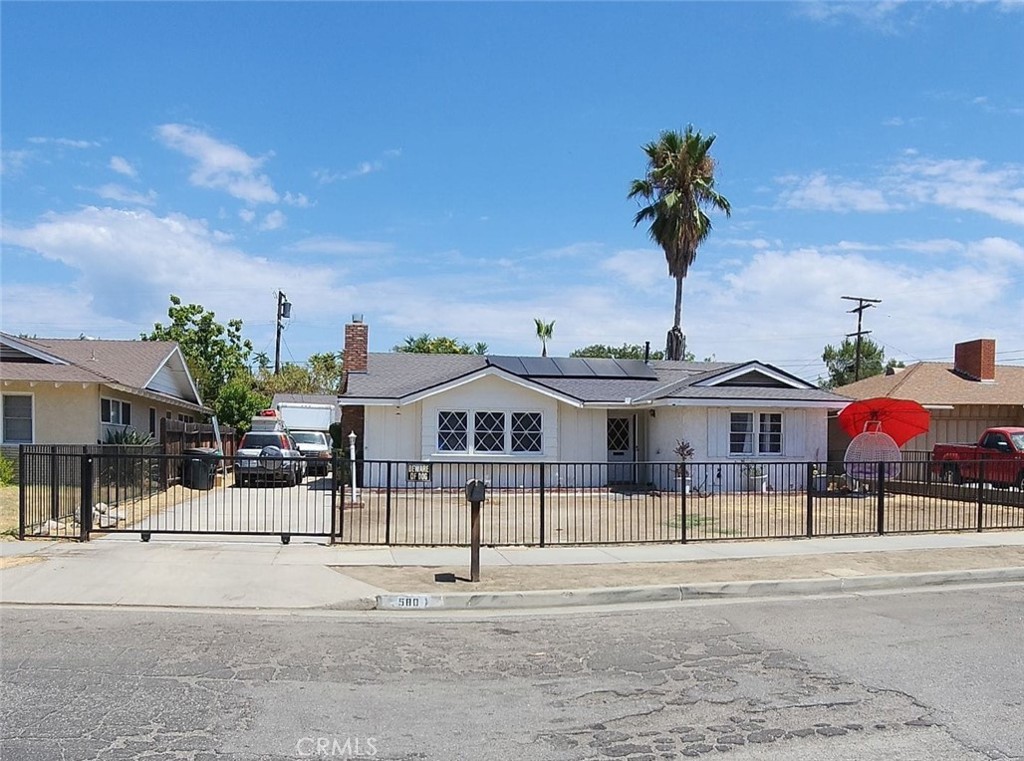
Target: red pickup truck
997, 458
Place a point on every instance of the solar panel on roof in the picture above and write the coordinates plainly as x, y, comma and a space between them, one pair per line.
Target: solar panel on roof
540, 367
636, 368
605, 368
573, 367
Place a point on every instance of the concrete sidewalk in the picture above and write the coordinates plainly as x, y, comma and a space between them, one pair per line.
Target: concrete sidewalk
264, 575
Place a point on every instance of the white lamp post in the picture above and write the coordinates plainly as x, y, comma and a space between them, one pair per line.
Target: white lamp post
352, 467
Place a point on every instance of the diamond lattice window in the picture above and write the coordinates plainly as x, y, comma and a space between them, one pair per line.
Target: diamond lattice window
526, 432
618, 434
452, 431
489, 432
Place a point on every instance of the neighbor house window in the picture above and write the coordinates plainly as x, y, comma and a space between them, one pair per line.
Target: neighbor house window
152, 422
17, 418
115, 412
452, 430
755, 433
489, 431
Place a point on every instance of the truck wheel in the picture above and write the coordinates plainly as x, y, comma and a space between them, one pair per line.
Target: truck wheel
951, 475
1020, 480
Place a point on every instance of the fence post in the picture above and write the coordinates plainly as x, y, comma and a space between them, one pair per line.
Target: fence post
85, 513
810, 499
334, 494
387, 506
881, 498
543, 512
21, 491
54, 493
683, 490
981, 494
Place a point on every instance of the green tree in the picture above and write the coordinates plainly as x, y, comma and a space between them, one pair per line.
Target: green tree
239, 401
325, 371
544, 332
626, 351
428, 344
678, 187
215, 353
841, 362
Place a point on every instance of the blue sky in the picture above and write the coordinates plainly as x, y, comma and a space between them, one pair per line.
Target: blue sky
461, 169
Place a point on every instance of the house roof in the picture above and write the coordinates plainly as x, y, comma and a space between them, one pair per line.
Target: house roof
392, 377
937, 384
126, 365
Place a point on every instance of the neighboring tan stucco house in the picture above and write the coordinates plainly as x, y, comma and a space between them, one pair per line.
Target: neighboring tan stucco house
468, 408
76, 391
964, 397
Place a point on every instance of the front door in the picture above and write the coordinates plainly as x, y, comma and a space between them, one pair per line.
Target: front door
621, 434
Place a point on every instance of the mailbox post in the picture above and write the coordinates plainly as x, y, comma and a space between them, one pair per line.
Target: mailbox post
476, 493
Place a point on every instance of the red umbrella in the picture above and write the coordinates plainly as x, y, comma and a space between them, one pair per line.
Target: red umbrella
902, 419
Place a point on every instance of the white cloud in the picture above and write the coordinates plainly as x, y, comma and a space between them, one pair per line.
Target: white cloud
298, 199
340, 246
641, 268
246, 215
363, 168
114, 192
821, 193
962, 184
63, 142
219, 165
273, 221
968, 185
128, 262
936, 246
13, 163
121, 165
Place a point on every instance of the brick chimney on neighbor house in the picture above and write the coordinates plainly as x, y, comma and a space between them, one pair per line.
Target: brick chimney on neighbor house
357, 335
976, 359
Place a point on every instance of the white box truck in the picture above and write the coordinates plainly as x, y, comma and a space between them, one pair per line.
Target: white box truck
309, 423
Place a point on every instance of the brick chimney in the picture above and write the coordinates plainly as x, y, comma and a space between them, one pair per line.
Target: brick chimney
976, 359
357, 335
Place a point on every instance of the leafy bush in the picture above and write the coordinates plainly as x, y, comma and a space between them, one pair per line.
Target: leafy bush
128, 465
6, 471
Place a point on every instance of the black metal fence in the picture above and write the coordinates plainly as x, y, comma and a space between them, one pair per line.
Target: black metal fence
75, 491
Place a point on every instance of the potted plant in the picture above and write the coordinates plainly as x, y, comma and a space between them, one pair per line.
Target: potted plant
684, 451
755, 476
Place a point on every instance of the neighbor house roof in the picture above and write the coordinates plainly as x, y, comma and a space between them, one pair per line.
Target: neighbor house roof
937, 384
126, 365
393, 377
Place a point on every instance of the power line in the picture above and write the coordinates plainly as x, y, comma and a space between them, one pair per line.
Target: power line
862, 304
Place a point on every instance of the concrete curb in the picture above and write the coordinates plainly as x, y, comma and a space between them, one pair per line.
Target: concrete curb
686, 592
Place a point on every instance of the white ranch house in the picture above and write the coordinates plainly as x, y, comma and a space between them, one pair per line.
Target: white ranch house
618, 414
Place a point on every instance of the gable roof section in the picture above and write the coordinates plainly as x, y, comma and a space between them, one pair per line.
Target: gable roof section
128, 365
403, 378
937, 384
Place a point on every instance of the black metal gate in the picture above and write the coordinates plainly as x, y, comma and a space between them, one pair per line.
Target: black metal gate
72, 491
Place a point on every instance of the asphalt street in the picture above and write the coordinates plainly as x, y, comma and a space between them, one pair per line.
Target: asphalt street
930, 675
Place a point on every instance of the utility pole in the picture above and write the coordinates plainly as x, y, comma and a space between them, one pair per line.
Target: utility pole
284, 311
862, 304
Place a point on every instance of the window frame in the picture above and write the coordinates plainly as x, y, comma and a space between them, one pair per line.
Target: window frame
760, 430
471, 434
32, 418
108, 403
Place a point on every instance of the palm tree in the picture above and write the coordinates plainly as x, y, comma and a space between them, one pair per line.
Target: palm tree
678, 186
544, 332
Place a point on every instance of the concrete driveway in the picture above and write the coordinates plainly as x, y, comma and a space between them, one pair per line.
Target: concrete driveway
260, 509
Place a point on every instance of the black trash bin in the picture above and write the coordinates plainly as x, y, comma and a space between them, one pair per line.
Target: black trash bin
199, 467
